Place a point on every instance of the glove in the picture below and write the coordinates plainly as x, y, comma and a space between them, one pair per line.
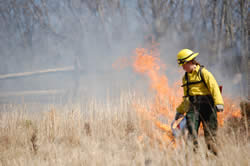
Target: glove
219, 108
178, 115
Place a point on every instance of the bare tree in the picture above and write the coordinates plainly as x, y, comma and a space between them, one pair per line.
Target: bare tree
211, 24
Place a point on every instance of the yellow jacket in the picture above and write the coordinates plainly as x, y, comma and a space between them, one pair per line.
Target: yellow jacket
200, 88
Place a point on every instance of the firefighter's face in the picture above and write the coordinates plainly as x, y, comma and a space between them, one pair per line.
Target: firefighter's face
188, 67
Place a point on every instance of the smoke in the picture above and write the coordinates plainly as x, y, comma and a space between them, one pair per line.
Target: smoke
82, 38
95, 39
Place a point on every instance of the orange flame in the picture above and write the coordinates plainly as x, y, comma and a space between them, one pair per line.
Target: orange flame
231, 109
166, 99
121, 63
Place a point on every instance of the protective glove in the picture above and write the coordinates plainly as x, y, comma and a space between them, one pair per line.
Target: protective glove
220, 108
178, 115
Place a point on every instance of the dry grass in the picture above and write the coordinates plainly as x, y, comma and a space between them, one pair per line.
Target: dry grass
102, 134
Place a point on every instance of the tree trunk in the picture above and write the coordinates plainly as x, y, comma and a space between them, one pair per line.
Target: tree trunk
248, 56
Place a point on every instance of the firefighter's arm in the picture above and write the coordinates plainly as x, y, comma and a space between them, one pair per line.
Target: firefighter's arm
183, 107
214, 89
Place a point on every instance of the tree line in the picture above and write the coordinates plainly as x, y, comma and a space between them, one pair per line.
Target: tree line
221, 23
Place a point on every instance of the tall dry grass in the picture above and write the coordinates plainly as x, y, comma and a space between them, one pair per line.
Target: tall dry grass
102, 134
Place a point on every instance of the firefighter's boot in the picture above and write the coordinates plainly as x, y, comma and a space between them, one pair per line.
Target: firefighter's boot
211, 145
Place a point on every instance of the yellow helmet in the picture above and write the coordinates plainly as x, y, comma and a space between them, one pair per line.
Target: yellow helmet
185, 55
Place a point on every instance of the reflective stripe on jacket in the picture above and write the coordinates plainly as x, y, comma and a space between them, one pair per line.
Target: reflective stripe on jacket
211, 88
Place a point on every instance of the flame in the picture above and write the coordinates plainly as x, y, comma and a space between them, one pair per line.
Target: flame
231, 109
121, 63
166, 98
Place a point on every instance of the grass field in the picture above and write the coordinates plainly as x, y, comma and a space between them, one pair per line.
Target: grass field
107, 133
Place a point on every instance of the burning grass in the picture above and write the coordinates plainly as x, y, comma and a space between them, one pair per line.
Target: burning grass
104, 134
132, 130
166, 97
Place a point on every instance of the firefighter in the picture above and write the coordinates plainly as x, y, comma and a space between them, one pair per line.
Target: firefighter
202, 100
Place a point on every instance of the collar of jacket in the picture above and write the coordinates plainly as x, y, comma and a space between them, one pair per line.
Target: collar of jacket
196, 70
